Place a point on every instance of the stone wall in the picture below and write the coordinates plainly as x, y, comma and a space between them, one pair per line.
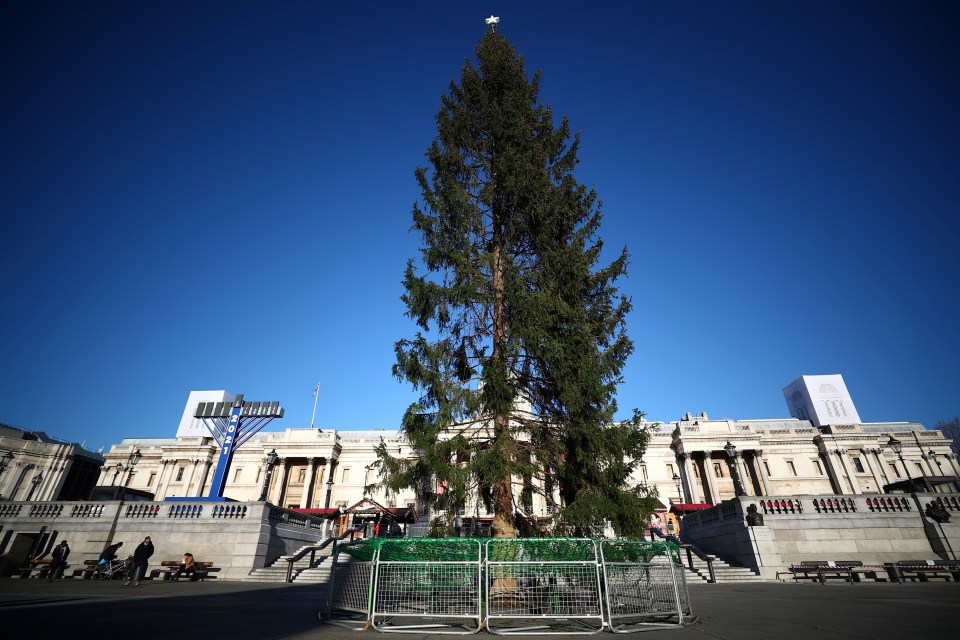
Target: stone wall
873, 529
236, 536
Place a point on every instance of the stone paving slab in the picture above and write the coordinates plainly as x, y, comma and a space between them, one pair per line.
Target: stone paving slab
238, 610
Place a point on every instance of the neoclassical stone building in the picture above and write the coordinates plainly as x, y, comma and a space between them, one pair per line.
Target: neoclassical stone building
687, 461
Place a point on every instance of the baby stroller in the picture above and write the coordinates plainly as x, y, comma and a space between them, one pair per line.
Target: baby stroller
116, 568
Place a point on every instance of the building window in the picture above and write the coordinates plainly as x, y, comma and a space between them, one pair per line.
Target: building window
345, 477
791, 467
766, 466
893, 468
236, 474
858, 465
669, 470
718, 469
919, 469
153, 476
817, 468
302, 476
179, 474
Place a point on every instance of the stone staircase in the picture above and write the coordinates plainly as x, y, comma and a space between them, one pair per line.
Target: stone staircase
303, 573
723, 571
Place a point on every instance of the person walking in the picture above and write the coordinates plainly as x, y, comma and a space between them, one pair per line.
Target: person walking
655, 527
140, 558
457, 525
58, 562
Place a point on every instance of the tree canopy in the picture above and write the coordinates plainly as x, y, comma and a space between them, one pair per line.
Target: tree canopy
521, 330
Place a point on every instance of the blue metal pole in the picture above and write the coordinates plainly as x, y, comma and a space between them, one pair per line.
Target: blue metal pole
226, 453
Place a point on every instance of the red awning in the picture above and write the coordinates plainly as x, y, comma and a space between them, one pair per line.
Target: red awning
688, 507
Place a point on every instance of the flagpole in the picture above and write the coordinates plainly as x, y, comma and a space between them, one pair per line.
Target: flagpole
316, 396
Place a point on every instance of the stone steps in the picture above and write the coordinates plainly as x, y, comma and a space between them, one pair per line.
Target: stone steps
277, 572
722, 571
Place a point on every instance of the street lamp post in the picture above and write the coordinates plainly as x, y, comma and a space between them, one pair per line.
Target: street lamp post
116, 471
131, 463
271, 460
731, 450
897, 447
37, 479
676, 481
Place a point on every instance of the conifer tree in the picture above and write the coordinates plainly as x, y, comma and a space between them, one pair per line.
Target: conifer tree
521, 334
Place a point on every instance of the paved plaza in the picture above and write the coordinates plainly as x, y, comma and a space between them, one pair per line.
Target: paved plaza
36, 609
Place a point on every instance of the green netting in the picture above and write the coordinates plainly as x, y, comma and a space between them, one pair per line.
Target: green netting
416, 550
541, 549
637, 550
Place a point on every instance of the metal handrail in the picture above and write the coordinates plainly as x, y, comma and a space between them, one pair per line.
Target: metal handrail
691, 550
312, 550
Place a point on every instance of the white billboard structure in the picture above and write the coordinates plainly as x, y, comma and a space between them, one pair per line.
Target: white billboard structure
191, 426
822, 400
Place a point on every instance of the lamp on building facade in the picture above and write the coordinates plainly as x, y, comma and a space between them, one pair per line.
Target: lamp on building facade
116, 471
271, 461
37, 479
897, 447
731, 450
132, 461
676, 481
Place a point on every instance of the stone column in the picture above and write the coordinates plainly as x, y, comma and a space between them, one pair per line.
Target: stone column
689, 481
831, 470
193, 470
866, 453
166, 470
761, 472
745, 481
308, 484
280, 487
204, 475
710, 480
851, 478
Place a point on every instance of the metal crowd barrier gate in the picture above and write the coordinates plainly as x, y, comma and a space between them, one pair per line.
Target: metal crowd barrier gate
350, 595
645, 586
427, 586
543, 586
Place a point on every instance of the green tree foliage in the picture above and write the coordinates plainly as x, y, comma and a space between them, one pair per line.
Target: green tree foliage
521, 335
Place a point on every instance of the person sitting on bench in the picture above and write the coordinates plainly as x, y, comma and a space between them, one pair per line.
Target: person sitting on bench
187, 566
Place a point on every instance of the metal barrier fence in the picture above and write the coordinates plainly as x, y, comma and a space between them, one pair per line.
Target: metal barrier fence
645, 587
350, 595
543, 585
432, 585
510, 586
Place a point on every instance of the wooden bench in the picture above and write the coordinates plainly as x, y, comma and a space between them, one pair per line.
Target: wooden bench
39, 567
85, 573
821, 570
926, 570
169, 567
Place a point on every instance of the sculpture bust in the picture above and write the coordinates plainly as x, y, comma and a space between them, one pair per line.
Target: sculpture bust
754, 517
937, 513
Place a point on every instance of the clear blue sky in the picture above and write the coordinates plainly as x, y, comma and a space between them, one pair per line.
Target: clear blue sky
217, 195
